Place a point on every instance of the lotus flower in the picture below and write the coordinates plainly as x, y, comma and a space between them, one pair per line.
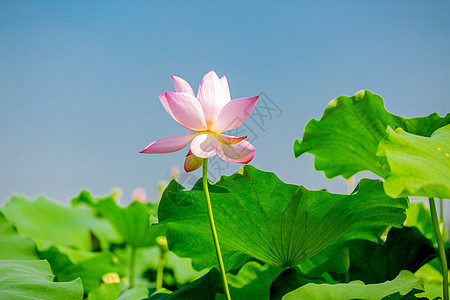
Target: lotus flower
206, 117
139, 194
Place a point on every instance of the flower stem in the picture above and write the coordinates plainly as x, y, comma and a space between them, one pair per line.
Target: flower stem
162, 243
160, 272
213, 229
132, 265
440, 241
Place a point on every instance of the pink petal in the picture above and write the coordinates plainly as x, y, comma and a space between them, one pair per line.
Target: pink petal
224, 82
234, 113
205, 145
229, 140
181, 86
185, 110
212, 96
169, 144
242, 152
192, 162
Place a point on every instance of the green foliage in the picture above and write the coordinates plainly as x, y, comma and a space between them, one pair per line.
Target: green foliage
405, 249
345, 140
251, 282
179, 270
106, 291
418, 216
138, 292
13, 245
132, 222
259, 216
48, 222
264, 225
112, 291
288, 281
420, 166
33, 279
332, 259
90, 269
402, 284
431, 276
203, 288
412, 155
66, 237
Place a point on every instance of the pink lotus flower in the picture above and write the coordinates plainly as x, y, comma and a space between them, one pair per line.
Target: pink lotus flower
139, 194
206, 117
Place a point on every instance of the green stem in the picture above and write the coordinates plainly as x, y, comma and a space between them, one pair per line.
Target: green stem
440, 241
213, 229
132, 265
162, 243
160, 271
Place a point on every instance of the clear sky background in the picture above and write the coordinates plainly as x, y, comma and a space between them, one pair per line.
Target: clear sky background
79, 80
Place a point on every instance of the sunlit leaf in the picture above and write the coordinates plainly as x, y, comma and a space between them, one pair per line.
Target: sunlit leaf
13, 245
33, 279
345, 140
132, 222
420, 166
433, 290
402, 284
431, 276
257, 215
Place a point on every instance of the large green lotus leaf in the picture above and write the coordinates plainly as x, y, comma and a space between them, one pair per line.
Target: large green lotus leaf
33, 279
48, 222
14, 245
404, 249
132, 223
257, 215
251, 282
90, 269
402, 284
420, 166
345, 140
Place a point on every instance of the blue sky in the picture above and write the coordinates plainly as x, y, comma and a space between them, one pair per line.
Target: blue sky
79, 80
